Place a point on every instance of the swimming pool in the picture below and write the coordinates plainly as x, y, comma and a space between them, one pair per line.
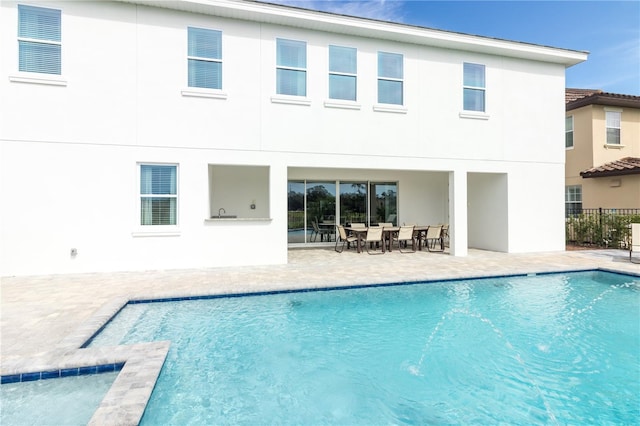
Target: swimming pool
557, 348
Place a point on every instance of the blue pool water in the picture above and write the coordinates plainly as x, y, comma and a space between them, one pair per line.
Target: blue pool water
546, 349
61, 402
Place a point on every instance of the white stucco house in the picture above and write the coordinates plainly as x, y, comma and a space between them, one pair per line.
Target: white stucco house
199, 133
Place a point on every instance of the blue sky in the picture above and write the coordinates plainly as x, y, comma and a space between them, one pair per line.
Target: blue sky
609, 30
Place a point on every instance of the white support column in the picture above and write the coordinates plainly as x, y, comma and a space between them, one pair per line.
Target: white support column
458, 238
278, 209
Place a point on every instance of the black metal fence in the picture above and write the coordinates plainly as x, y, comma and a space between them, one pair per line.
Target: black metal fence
601, 227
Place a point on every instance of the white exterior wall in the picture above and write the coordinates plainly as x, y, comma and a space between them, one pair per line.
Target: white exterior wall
69, 153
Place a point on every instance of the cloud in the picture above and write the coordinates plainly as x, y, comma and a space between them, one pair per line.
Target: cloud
384, 10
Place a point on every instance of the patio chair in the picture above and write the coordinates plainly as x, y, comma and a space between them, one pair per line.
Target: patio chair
320, 231
433, 236
445, 235
342, 236
374, 239
635, 243
404, 236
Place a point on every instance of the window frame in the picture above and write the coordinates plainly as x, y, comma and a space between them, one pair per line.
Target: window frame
391, 79
607, 127
24, 40
212, 59
572, 200
467, 87
568, 133
285, 67
341, 73
141, 196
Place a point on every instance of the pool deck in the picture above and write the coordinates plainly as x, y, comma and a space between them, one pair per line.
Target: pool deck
45, 319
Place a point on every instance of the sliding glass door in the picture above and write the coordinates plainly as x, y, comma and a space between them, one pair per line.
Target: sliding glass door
383, 203
321, 211
353, 202
314, 205
296, 230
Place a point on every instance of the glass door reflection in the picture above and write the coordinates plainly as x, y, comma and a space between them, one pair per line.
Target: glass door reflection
384, 202
321, 211
296, 231
353, 202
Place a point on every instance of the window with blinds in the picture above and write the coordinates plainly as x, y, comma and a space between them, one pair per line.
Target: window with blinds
39, 40
291, 67
204, 58
573, 200
613, 119
568, 132
390, 78
158, 194
474, 87
342, 73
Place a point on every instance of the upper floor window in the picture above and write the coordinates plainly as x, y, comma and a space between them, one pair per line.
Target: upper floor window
291, 67
568, 132
342, 73
204, 56
39, 40
158, 194
474, 87
613, 127
390, 78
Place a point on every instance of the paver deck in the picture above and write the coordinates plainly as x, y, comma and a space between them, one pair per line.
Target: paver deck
45, 319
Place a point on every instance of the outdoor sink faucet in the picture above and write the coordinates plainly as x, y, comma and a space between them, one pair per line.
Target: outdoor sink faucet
221, 210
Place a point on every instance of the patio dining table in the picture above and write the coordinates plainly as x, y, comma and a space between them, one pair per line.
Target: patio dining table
359, 232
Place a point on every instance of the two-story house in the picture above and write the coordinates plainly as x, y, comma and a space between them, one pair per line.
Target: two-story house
602, 140
200, 133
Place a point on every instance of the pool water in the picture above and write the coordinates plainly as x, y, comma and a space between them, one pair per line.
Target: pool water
62, 401
558, 349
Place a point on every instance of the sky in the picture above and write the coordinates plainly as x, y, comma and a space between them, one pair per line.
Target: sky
608, 30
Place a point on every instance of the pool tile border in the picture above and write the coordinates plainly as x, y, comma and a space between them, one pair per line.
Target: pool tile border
60, 373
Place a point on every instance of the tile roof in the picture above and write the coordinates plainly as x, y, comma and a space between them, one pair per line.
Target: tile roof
599, 97
624, 166
571, 95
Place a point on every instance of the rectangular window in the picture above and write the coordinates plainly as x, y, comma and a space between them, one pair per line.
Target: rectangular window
573, 200
342, 73
613, 127
158, 194
204, 57
390, 78
568, 132
39, 40
291, 67
474, 87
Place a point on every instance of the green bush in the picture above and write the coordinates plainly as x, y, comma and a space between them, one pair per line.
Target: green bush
606, 229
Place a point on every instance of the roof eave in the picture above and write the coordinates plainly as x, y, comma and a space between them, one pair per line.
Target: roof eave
587, 175
602, 100
348, 25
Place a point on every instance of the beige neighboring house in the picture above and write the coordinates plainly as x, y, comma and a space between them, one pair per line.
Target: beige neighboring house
602, 150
